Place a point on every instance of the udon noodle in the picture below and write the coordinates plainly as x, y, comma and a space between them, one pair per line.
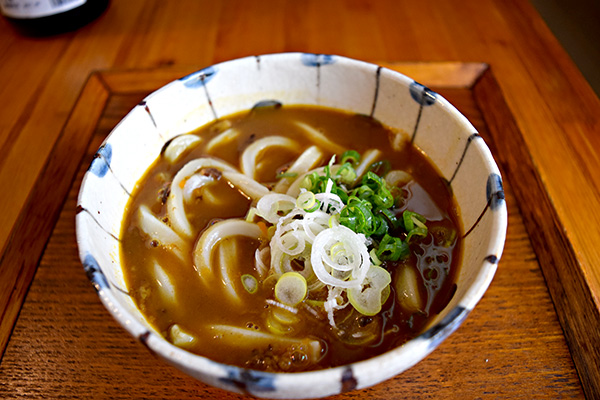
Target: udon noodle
291, 239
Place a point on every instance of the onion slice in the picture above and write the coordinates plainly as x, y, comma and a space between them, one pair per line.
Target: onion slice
369, 298
291, 288
338, 253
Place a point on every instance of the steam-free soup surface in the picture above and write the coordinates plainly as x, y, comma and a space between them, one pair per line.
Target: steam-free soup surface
222, 304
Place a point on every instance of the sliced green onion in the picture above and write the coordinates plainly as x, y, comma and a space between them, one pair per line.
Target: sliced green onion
251, 214
291, 288
358, 216
351, 156
286, 175
308, 202
374, 259
443, 236
392, 249
347, 174
418, 231
409, 218
381, 227
380, 168
250, 283
390, 217
414, 224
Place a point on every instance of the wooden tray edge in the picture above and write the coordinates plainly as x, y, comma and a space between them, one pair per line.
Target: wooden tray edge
36, 221
569, 289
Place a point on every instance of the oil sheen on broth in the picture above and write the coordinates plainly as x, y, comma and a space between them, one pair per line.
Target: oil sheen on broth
247, 243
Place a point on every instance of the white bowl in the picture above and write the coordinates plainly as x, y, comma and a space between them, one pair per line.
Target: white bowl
432, 123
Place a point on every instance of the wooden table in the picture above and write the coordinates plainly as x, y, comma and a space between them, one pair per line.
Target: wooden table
536, 332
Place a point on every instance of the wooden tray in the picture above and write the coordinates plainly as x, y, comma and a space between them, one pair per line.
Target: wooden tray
57, 339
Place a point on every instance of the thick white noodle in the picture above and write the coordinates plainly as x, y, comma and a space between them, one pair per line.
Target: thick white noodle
167, 290
228, 253
237, 337
400, 140
247, 186
249, 158
175, 204
319, 138
368, 158
214, 234
179, 145
195, 182
307, 160
161, 232
222, 138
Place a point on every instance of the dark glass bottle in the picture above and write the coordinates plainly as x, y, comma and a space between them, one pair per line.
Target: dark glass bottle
50, 17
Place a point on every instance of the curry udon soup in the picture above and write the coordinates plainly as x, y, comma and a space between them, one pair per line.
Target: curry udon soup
291, 239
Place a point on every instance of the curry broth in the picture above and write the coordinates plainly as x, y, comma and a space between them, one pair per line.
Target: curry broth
198, 304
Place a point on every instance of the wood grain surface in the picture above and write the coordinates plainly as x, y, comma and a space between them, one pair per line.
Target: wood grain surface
544, 96
65, 344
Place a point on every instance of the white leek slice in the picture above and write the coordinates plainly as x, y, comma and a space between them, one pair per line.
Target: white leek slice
349, 259
369, 298
250, 283
273, 206
259, 261
291, 288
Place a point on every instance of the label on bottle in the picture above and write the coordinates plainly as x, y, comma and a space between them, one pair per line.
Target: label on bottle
37, 8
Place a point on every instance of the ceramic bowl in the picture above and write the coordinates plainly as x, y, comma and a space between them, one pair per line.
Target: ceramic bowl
423, 116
